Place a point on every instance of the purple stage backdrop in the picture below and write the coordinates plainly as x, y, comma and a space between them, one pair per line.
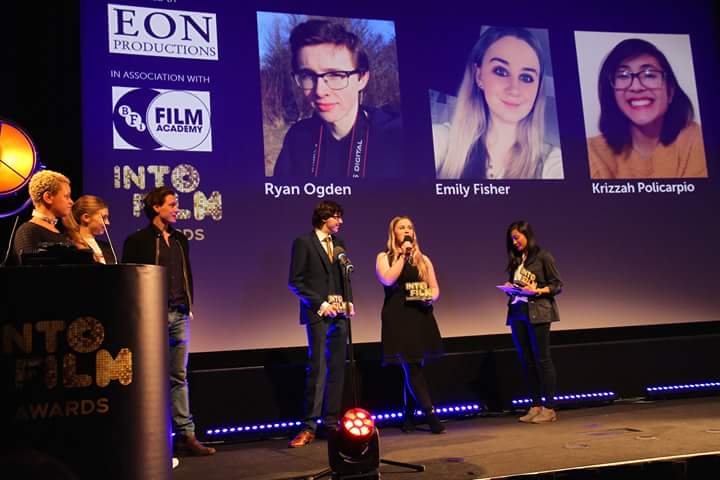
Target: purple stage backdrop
181, 93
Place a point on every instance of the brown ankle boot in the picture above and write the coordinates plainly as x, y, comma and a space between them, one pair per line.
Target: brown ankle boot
187, 444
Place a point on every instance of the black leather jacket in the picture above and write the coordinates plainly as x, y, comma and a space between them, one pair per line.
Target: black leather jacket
143, 247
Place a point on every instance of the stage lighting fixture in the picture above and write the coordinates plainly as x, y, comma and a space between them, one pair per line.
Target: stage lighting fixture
354, 447
18, 158
575, 398
709, 387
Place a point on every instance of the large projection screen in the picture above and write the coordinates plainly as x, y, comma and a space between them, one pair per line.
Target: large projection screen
199, 95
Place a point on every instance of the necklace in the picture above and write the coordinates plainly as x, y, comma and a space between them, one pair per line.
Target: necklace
44, 218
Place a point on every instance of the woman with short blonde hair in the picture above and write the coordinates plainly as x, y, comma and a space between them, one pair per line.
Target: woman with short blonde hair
50, 195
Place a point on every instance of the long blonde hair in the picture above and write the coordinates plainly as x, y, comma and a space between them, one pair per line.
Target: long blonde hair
393, 243
471, 119
89, 204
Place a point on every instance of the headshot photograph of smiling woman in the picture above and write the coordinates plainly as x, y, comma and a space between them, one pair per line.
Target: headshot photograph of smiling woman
330, 97
647, 123
503, 124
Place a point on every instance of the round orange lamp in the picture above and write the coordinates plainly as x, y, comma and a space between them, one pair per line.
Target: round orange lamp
18, 158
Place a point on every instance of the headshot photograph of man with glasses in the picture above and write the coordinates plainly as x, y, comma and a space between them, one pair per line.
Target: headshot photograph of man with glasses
642, 116
330, 108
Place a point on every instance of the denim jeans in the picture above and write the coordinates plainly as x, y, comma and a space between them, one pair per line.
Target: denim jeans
179, 326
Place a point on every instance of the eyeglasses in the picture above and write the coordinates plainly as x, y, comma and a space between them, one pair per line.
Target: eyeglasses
335, 80
648, 78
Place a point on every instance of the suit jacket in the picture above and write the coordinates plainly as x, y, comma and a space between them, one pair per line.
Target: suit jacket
312, 276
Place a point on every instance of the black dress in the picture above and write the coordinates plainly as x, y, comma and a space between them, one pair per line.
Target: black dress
409, 331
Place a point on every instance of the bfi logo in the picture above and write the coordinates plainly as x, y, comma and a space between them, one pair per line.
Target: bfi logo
158, 119
162, 33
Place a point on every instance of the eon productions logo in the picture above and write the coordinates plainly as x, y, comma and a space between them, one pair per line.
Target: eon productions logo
156, 119
157, 32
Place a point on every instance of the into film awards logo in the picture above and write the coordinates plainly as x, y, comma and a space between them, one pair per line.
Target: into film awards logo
155, 32
156, 119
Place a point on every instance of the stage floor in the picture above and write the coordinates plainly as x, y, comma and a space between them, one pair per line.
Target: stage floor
495, 446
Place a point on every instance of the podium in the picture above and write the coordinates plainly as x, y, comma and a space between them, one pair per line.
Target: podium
84, 358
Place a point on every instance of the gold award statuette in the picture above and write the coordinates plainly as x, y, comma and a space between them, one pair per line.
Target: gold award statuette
524, 277
337, 302
418, 291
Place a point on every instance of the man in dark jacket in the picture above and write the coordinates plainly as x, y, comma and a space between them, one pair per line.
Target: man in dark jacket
160, 244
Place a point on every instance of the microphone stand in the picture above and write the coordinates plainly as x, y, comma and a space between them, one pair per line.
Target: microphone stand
10, 242
347, 269
112, 248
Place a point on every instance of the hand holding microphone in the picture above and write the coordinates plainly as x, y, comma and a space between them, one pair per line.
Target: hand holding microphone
407, 246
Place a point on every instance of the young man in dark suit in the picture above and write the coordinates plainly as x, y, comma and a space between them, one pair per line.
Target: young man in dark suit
316, 279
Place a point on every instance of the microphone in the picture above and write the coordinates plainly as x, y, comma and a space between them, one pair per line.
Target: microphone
344, 260
407, 239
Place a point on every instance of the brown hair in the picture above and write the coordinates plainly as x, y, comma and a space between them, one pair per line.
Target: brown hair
155, 198
89, 204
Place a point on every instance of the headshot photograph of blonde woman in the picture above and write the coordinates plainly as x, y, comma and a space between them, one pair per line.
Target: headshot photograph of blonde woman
503, 122
640, 104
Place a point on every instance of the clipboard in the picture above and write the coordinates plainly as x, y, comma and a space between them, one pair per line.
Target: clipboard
512, 290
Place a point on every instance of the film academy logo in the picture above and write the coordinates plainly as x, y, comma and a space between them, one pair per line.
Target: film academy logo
154, 119
51, 358
156, 32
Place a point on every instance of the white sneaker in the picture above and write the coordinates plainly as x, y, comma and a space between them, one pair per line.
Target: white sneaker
547, 415
532, 413
175, 462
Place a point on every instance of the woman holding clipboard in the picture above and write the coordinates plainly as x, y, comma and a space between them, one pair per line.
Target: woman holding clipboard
534, 281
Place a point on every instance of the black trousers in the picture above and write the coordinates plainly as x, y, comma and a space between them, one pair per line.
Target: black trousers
327, 348
533, 346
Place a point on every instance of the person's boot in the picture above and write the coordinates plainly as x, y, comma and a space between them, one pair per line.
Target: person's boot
433, 421
408, 424
187, 444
